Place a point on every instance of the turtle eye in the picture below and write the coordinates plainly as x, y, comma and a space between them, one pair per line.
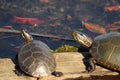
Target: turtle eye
82, 34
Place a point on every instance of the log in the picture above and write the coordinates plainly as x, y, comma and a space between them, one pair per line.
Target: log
70, 63
2, 30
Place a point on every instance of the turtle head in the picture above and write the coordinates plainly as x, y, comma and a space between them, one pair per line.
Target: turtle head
82, 38
28, 38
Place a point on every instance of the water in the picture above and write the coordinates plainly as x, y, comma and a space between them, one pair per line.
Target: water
60, 19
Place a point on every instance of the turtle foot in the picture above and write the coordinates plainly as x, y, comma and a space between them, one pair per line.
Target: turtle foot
18, 71
89, 71
39, 78
57, 74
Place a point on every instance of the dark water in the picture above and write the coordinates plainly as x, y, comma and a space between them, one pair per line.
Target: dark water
61, 18
10, 44
55, 14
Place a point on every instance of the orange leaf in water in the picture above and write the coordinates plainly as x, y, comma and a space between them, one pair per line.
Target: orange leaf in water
24, 20
94, 28
112, 8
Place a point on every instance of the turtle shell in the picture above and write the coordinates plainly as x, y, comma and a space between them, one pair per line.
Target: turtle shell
35, 59
106, 50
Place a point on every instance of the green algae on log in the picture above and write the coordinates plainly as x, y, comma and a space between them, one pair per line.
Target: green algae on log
69, 48
66, 48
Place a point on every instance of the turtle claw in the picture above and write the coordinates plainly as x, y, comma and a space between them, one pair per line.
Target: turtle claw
57, 74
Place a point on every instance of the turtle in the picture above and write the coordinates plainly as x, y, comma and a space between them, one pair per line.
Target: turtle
35, 58
104, 50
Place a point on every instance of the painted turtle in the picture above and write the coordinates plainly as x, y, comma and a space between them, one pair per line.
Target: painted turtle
104, 50
35, 58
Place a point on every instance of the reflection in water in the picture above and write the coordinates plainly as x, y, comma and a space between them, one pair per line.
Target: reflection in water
93, 77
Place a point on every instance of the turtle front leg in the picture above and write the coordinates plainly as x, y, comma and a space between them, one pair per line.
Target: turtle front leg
92, 64
89, 63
